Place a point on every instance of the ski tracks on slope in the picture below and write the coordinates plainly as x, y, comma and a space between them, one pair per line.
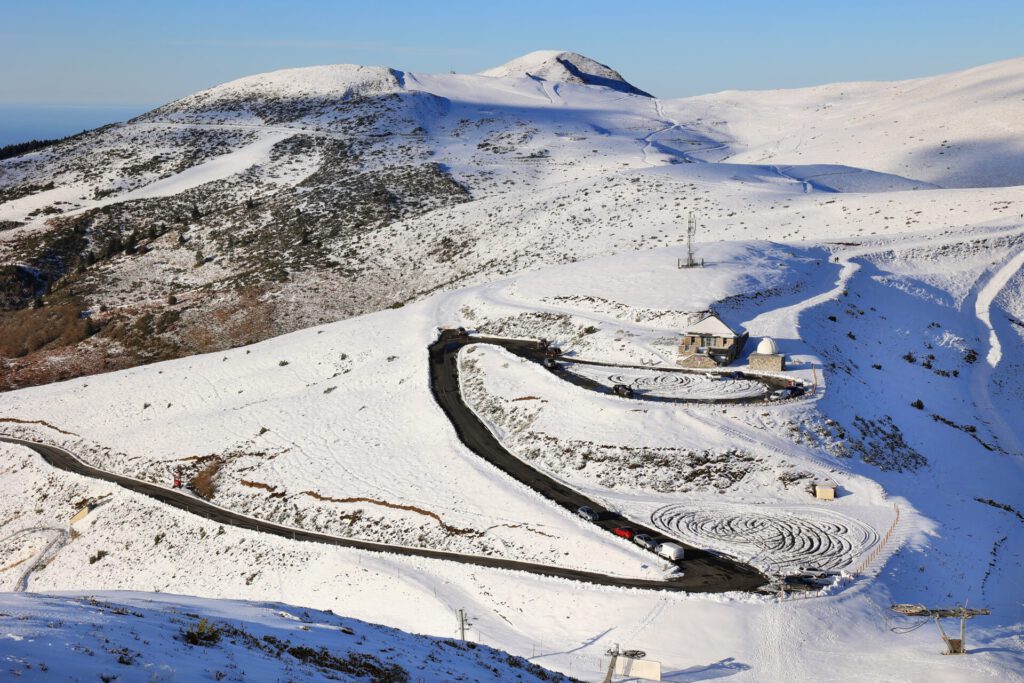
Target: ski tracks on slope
648, 139
987, 294
981, 380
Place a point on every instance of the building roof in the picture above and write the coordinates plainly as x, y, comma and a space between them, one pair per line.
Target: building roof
767, 347
712, 325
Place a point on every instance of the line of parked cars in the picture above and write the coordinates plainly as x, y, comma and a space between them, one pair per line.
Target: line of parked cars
666, 549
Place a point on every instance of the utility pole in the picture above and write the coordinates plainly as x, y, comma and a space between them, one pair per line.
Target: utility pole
464, 622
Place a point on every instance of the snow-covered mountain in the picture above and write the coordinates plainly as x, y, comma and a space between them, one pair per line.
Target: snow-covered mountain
564, 67
287, 199
954, 130
361, 209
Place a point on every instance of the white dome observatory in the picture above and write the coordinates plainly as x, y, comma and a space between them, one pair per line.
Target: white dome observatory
767, 346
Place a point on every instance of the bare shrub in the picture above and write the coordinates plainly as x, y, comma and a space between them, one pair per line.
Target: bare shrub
205, 482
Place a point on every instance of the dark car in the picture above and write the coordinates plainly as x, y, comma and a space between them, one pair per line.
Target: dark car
588, 513
623, 390
782, 394
624, 531
553, 352
736, 375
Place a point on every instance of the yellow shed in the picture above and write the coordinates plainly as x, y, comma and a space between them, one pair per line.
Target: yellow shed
825, 490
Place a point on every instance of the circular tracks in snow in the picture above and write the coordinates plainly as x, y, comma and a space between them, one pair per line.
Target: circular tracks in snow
779, 540
676, 385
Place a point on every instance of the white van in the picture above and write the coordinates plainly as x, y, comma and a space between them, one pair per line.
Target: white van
671, 551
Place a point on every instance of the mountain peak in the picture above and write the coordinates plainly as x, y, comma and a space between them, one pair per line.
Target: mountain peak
564, 67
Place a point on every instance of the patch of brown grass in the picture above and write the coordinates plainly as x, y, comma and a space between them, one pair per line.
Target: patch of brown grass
455, 531
55, 365
205, 482
31, 329
274, 493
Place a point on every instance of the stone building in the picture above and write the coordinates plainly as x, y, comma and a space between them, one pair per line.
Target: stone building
767, 357
709, 344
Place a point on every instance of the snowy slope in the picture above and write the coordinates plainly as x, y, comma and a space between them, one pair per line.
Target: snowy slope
144, 636
540, 206
563, 67
953, 130
378, 187
947, 545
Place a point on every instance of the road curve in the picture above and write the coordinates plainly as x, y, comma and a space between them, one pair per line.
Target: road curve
702, 571
63, 459
711, 572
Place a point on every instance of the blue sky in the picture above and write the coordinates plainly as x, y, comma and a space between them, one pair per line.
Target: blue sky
105, 52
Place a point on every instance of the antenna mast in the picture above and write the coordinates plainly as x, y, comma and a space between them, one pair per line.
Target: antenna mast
691, 232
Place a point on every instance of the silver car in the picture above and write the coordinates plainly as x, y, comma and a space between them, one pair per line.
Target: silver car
645, 542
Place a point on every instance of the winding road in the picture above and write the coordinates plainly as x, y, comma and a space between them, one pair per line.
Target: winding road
702, 571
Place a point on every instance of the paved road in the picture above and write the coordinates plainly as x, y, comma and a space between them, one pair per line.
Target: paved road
564, 370
702, 569
62, 459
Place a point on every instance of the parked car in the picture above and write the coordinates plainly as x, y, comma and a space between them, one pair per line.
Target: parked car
671, 551
553, 351
782, 394
645, 542
735, 375
817, 573
461, 332
588, 513
550, 363
623, 390
624, 531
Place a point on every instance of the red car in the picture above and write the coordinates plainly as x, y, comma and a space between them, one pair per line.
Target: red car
625, 532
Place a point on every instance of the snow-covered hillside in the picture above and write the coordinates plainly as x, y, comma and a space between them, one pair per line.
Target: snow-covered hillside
141, 636
297, 197
362, 210
927, 502
954, 130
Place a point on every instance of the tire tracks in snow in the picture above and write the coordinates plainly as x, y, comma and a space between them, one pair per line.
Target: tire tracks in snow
47, 553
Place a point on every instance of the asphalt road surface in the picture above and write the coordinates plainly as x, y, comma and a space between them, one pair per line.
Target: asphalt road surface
701, 568
703, 572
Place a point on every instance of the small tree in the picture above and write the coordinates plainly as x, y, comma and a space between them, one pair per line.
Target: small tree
200, 259
113, 246
202, 633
